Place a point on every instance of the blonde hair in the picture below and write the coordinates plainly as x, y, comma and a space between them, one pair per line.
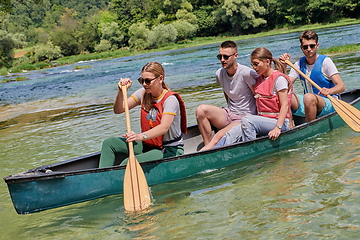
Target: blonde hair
158, 70
264, 54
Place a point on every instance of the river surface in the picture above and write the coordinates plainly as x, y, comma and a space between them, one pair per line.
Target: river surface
308, 191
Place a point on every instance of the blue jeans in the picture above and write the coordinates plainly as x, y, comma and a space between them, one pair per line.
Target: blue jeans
250, 127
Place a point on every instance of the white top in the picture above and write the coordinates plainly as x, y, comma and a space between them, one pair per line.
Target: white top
240, 97
280, 84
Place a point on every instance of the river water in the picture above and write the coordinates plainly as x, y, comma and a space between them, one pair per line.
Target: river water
308, 191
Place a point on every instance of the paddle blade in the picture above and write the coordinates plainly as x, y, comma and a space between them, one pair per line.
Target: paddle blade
136, 190
347, 112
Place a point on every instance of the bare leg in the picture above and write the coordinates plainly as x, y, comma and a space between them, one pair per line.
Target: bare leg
313, 104
217, 137
295, 102
207, 115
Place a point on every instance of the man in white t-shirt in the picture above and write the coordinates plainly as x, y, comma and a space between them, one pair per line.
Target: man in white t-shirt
237, 82
322, 71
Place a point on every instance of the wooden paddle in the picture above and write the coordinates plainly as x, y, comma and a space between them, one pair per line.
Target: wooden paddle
348, 113
136, 190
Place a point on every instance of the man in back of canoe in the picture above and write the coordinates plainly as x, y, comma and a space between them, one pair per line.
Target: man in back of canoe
237, 81
322, 71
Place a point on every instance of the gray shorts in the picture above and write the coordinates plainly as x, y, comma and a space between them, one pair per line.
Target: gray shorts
232, 117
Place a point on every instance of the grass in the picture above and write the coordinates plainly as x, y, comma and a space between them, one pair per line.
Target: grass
81, 67
341, 49
190, 43
5, 80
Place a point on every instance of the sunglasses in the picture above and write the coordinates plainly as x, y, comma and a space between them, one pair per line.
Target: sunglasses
305, 47
146, 80
254, 64
226, 57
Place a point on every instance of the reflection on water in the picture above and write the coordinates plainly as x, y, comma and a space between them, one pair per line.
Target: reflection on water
310, 190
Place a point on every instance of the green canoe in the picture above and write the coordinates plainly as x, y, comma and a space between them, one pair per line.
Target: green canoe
79, 179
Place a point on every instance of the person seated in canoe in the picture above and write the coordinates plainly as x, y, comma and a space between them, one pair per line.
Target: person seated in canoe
322, 71
273, 90
237, 83
162, 120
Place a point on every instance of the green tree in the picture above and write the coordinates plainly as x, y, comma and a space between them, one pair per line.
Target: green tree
241, 14
184, 30
183, 14
47, 52
161, 35
139, 33
6, 6
112, 33
329, 10
128, 13
52, 17
103, 46
207, 26
89, 34
8, 42
66, 35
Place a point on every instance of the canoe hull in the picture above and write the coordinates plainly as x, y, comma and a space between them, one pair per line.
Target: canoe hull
79, 179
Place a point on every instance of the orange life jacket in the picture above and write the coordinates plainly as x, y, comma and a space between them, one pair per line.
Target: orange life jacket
147, 124
267, 103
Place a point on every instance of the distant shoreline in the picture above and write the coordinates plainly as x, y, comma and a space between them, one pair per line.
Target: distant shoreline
190, 43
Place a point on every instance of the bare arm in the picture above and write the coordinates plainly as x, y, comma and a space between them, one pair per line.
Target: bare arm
338, 88
119, 99
282, 59
283, 98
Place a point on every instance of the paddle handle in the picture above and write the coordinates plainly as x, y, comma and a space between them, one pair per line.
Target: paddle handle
127, 116
302, 74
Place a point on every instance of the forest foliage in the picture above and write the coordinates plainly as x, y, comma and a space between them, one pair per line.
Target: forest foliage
55, 28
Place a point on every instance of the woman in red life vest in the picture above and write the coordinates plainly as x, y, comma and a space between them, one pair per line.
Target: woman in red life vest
162, 118
273, 90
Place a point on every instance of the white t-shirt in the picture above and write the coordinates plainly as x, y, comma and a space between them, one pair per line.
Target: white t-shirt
280, 84
240, 97
328, 69
172, 107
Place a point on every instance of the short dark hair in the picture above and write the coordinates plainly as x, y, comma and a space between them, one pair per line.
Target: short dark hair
309, 35
229, 44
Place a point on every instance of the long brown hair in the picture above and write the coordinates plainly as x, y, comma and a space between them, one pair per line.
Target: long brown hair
264, 54
158, 70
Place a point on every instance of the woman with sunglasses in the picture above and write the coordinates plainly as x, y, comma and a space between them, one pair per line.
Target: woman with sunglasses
322, 71
162, 120
273, 90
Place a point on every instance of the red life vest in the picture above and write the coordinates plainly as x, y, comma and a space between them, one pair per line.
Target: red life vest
147, 124
268, 104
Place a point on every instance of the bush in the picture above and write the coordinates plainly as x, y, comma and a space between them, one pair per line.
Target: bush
111, 32
103, 46
139, 34
184, 30
3, 71
47, 52
161, 35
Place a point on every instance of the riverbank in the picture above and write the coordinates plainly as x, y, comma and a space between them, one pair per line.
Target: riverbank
188, 43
